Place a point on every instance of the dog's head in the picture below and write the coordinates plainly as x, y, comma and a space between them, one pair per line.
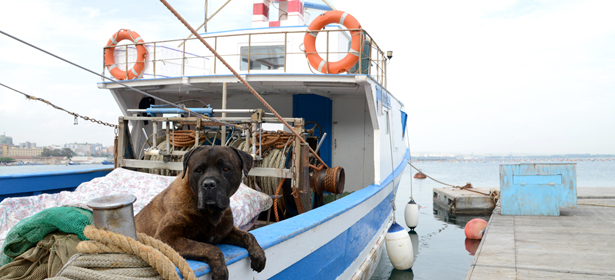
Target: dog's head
214, 174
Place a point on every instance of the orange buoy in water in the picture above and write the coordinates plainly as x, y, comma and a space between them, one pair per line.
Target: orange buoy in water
475, 228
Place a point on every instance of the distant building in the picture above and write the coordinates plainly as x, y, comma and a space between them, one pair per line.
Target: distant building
6, 139
4, 150
22, 152
27, 145
84, 149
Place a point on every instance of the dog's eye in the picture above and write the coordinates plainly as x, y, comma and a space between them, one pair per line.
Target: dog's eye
225, 169
198, 171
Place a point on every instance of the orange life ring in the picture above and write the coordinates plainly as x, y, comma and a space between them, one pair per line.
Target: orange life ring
137, 69
309, 41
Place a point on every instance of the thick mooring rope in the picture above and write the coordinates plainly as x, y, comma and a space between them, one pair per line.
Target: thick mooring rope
157, 254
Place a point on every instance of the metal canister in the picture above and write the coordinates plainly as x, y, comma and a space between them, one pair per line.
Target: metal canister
115, 213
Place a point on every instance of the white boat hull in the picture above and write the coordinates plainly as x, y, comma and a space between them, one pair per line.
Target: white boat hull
340, 240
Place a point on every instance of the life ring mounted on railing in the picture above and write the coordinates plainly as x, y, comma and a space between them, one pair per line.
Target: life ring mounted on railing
137, 69
356, 47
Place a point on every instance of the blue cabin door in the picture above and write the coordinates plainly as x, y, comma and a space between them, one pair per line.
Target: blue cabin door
316, 108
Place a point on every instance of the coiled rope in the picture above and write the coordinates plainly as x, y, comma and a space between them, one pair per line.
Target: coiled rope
184, 138
160, 256
275, 146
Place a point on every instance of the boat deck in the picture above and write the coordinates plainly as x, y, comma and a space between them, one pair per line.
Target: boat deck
577, 244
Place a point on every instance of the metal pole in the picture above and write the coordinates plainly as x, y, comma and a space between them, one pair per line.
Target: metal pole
285, 46
328, 52
362, 45
330, 6
212, 16
224, 100
205, 23
184, 59
126, 62
249, 51
154, 62
216, 49
155, 131
168, 135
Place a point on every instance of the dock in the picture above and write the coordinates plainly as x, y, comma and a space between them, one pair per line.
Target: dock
464, 201
578, 244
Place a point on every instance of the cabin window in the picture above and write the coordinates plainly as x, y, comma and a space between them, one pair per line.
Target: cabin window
263, 57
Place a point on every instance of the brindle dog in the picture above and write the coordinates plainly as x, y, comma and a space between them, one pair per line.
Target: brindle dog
193, 213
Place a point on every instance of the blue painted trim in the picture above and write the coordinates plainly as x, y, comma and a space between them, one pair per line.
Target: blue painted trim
255, 28
316, 6
54, 173
279, 232
28, 184
332, 259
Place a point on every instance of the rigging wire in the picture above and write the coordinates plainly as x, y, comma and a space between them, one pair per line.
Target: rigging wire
241, 79
62, 109
112, 80
410, 152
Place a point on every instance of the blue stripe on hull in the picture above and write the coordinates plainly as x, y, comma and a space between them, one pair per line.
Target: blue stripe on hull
332, 259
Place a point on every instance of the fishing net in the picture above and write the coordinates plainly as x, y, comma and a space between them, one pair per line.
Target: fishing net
25, 234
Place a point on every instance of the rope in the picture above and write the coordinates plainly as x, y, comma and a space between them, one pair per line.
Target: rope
120, 83
433, 178
275, 200
61, 109
157, 254
493, 194
107, 267
184, 138
241, 79
274, 145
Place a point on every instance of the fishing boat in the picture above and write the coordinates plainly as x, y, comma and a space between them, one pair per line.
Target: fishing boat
326, 81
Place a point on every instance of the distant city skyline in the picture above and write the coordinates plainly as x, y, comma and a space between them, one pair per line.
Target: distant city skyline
521, 77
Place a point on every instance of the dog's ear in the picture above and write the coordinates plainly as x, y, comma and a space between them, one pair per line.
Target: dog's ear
246, 160
186, 159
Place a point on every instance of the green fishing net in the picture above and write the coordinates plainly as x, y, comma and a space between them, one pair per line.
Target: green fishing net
25, 234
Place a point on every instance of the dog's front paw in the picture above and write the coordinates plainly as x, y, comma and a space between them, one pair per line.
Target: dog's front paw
219, 272
258, 259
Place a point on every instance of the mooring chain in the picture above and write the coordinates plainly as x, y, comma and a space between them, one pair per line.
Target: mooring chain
62, 109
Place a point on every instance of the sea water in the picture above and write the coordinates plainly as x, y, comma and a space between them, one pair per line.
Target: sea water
443, 251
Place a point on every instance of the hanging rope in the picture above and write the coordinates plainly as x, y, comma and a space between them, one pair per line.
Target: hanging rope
157, 254
493, 194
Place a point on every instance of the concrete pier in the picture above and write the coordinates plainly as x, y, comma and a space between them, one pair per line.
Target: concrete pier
578, 244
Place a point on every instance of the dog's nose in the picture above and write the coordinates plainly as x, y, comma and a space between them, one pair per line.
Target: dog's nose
209, 184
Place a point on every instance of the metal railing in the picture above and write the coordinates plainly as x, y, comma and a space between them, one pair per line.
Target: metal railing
165, 59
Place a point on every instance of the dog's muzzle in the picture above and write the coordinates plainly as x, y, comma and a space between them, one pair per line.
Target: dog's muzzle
210, 194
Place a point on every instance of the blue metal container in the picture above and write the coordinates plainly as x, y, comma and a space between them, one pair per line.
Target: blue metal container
537, 188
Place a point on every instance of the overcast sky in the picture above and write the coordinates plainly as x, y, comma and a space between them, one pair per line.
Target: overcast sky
488, 77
